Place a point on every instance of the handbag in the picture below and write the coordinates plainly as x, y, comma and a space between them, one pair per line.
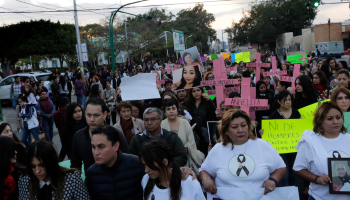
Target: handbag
33, 121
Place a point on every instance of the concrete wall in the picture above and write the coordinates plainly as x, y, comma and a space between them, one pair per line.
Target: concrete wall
322, 32
307, 40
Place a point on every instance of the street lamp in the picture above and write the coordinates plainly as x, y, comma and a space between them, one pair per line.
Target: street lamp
185, 40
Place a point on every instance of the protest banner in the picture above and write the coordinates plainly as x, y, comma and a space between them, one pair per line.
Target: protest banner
139, 87
292, 79
243, 56
294, 59
191, 57
238, 193
230, 69
233, 56
284, 134
257, 64
226, 90
179, 43
304, 59
253, 53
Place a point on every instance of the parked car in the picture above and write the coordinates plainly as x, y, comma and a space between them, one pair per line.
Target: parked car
5, 84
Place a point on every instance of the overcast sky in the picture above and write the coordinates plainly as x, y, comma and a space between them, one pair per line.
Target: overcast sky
225, 11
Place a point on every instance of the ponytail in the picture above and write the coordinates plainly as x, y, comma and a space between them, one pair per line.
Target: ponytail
175, 183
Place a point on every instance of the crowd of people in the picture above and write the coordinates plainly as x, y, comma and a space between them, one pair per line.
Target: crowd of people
160, 148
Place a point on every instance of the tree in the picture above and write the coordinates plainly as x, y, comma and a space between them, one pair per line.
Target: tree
34, 38
196, 21
264, 21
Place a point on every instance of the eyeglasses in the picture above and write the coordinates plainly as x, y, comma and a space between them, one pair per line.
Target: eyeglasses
210, 76
152, 120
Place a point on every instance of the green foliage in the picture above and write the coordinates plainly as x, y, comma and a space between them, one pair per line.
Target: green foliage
35, 38
264, 21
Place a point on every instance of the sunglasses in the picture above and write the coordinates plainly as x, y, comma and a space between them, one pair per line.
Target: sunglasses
210, 76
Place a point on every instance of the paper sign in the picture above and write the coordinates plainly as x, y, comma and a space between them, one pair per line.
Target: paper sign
244, 56
284, 134
233, 56
230, 69
212, 97
307, 112
208, 83
220, 82
286, 78
214, 56
225, 55
139, 87
237, 193
347, 121
278, 73
246, 102
294, 59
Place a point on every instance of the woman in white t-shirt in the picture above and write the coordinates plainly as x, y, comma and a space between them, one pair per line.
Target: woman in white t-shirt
241, 161
328, 140
163, 176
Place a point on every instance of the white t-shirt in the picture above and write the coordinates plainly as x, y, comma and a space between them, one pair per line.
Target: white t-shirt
191, 190
304, 160
260, 160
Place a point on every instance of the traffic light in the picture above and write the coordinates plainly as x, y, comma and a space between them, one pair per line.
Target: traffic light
313, 4
147, 17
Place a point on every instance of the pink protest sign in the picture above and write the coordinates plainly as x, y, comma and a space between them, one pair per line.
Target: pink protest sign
304, 59
219, 65
257, 64
232, 89
231, 69
286, 79
208, 83
246, 102
168, 68
160, 82
258, 108
296, 73
211, 92
274, 69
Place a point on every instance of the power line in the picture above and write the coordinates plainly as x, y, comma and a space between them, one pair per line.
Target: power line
88, 9
16, 13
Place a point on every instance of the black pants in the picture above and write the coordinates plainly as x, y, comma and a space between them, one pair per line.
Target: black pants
114, 118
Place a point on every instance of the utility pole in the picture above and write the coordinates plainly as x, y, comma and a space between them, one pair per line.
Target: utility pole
329, 28
80, 57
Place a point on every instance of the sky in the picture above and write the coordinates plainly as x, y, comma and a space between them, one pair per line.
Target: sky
225, 11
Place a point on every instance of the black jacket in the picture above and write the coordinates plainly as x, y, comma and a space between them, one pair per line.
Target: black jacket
121, 181
82, 152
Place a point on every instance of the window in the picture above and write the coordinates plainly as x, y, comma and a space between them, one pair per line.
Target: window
8, 81
42, 78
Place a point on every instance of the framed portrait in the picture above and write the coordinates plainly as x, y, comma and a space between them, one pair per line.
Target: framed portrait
339, 172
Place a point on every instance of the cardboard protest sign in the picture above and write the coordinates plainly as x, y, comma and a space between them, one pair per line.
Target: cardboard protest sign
294, 59
191, 57
284, 134
253, 53
225, 55
257, 64
243, 56
139, 87
233, 56
187, 77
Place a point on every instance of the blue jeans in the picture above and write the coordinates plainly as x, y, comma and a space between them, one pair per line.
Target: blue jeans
48, 127
311, 198
14, 102
82, 101
26, 139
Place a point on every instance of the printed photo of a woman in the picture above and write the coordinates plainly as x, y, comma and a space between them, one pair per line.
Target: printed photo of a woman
191, 57
191, 77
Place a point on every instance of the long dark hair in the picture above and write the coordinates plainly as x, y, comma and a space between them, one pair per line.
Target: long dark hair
47, 156
7, 152
308, 88
155, 152
68, 117
325, 69
323, 79
62, 82
31, 90
3, 125
281, 96
191, 102
344, 63
196, 81
258, 84
94, 91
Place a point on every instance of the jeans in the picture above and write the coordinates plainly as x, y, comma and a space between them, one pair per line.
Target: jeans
311, 198
48, 127
82, 101
14, 102
26, 139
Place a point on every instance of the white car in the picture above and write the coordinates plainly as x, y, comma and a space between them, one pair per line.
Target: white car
5, 84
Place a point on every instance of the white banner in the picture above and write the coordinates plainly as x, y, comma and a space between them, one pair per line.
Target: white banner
139, 87
232, 193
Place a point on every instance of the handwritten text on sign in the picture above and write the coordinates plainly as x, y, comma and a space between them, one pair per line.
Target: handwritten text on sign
246, 102
230, 69
258, 64
160, 82
253, 109
226, 90
286, 78
284, 134
220, 82
278, 73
